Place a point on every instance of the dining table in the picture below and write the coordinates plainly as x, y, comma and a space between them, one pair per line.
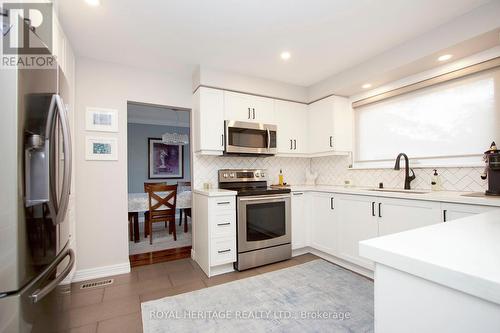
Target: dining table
139, 203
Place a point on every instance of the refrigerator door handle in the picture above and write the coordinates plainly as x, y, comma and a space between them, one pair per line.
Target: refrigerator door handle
39, 294
58, 211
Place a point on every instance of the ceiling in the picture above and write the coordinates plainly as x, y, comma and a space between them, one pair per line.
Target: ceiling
324, 37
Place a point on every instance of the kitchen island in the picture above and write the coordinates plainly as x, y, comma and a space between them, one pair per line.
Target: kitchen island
440, 278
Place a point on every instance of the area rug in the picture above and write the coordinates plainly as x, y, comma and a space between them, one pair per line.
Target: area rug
162, 240
313, 297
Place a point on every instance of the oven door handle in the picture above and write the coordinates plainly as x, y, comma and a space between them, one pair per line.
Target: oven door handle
264, 198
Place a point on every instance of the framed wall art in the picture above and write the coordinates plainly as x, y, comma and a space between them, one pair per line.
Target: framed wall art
101, 149
165, 161
101, 120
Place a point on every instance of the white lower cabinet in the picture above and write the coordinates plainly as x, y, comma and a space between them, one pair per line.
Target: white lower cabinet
300, 219
357, 218
214, 233
397, 215
340, 221
323, 226
452, 211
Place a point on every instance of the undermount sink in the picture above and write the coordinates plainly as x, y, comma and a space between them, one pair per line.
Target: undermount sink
397, 191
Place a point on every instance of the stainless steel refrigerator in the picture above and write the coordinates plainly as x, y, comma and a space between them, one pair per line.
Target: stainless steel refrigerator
35, 179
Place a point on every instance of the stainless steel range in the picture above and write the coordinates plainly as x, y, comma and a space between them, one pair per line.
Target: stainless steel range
263, 218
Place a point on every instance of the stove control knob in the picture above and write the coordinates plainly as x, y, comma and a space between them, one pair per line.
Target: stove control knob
262, 174
232, 175
225, 175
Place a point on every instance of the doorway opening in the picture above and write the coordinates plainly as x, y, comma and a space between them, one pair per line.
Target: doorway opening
159, 183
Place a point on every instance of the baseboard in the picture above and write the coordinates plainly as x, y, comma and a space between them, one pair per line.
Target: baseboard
340, 262
99, 272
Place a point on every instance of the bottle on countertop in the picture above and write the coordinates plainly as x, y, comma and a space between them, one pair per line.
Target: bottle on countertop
436, 181
280, 178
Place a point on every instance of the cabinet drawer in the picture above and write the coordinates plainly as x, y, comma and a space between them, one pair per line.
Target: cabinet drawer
223, 251
223, 203
223, 224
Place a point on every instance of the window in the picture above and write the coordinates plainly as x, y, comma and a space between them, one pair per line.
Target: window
453, 123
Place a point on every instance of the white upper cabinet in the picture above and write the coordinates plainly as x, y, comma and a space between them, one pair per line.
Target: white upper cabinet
208, 121
250, 108
330, 125
292, 127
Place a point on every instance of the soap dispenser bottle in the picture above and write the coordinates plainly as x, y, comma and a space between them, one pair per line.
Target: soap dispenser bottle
280, 178
436, 181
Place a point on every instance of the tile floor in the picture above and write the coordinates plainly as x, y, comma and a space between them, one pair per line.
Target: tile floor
116, 308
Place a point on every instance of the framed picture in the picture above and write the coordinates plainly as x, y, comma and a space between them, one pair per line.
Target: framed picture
101, 120
101, 149
166, 161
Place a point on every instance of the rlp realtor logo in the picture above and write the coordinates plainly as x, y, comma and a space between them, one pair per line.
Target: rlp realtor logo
26, 35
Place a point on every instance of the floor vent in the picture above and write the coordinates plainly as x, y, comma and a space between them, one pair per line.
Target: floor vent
96, 284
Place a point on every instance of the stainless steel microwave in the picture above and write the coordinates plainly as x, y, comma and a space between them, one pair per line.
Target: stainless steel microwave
246, 138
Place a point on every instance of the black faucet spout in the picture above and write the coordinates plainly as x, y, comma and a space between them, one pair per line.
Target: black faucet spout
408, 177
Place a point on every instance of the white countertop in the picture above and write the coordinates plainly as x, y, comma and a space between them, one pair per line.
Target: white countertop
215, 192
442, 196
463, 254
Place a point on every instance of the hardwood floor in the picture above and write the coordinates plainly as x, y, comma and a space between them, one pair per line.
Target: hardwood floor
117, 307
160, 256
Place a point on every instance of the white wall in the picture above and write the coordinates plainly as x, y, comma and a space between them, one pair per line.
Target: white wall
101, 201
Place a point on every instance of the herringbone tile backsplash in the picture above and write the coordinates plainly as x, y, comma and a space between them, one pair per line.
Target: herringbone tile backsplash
333, 170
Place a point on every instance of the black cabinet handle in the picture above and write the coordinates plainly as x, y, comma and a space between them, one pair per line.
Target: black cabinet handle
298, 193
332, 203
224, 203
331, 141
249, 115
444, 215
222, 140
221, 224
294, 144
373, 208
379, 209
291, 144
253, 113
224, 251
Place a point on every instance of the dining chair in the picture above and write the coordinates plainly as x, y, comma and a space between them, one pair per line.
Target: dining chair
146, 213
186, 211
162, 201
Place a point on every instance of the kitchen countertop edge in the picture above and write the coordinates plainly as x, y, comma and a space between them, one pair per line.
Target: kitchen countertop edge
456, 254
439, 196
216, 192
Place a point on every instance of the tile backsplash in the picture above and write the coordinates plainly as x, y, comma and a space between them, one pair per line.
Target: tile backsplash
333, 170
206, 167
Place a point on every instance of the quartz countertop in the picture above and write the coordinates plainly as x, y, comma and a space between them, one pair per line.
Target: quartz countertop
215, 192
462, 255
441, 196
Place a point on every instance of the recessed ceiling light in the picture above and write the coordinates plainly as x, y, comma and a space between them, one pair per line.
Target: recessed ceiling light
366, 86
93, 3
285, 55
445, 57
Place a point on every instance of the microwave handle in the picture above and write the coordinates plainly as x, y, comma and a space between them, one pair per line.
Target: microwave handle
268, 139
